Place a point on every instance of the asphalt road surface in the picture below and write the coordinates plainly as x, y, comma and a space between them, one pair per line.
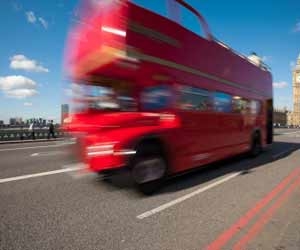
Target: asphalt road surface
47, 201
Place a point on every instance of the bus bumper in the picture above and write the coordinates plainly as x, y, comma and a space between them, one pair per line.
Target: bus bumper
107, 159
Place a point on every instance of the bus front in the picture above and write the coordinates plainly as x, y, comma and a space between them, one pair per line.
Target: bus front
115, 107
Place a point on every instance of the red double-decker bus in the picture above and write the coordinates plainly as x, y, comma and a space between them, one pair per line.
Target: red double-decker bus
157, 99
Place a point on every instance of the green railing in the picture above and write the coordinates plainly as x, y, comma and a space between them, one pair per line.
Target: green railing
15, 134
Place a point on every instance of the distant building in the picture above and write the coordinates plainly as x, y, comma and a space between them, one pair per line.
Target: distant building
294, 117
19, 121
280, 117
290, 118
12, 121
16, 121
64, 112
1, 123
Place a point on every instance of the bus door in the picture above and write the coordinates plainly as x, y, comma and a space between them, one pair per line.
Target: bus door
269, 118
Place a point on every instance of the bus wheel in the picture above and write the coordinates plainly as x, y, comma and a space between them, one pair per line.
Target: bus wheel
149, 169
256, 146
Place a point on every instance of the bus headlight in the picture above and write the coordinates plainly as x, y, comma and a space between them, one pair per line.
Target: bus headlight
100, 150
67, 120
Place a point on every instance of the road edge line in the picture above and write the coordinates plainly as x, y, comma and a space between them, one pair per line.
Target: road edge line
29, 176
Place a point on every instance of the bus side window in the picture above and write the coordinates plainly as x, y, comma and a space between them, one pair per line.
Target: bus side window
240, 105
255, 107
195, 99
156, 97
222, 102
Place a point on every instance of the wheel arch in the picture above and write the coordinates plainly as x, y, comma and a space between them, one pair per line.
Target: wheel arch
154, 139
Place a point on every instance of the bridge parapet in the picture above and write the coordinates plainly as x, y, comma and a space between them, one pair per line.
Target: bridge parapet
24, 134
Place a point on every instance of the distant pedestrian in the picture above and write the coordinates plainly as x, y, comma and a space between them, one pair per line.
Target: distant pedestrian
31, 130
51, 130
21, 136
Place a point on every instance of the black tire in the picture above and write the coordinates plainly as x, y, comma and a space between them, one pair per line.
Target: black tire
149, 153
256, 147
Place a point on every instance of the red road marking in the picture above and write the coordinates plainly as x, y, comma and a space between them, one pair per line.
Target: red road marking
263, 220
245, 219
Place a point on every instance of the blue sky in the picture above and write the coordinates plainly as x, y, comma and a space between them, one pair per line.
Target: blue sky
34, 32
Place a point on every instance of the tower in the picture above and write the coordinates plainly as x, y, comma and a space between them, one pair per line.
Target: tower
296, 93
64, 112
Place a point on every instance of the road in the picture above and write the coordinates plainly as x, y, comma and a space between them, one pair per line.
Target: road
49, 202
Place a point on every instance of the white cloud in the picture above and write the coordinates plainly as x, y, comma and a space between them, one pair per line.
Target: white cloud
16, 82
20, 93
280, 85
28, 104
18, 86
297, 27
31, 18
43, 22
24, 63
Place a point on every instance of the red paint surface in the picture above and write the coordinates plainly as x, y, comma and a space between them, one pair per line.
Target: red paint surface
245, 219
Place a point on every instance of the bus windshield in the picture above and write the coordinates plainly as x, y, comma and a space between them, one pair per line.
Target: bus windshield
103, 98
116, 98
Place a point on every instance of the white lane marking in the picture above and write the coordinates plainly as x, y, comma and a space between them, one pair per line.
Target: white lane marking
28, 176
282, 153
48, 153
185, 197
83, 171
44, 146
